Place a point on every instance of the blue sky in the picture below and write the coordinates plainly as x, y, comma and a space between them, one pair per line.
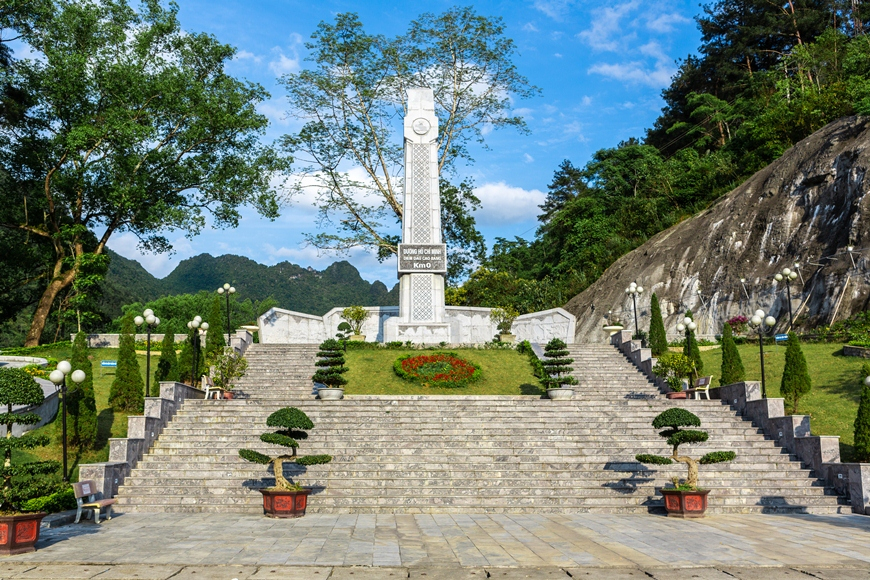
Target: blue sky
600, 66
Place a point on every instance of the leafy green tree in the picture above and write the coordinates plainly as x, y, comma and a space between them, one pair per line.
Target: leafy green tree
568, 183
658, 340
690, 348
355, 89
732, 365
167, 366
796, 381
862, 421
80, 401
466, 245
19, 481
557, 366
114, 153
127, 393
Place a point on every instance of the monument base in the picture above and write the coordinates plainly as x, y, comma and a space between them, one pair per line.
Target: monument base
416, 332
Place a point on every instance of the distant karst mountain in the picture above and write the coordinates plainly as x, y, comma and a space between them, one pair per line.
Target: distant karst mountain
807, 207
294, 287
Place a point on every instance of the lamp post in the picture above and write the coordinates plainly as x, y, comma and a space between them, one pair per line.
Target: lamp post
149, 320
788, 275
197, 327
227, 289
634, 290
851, 249
689, 326
759, 321
743, 283
58, 377
797, 268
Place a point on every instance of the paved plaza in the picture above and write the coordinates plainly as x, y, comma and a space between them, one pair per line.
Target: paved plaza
452, 546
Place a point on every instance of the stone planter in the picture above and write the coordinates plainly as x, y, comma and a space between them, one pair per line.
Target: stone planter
612, 329
19, 533
560, 394
357, 338
284, 504
685, 504
330, 394
676, 395
509, 338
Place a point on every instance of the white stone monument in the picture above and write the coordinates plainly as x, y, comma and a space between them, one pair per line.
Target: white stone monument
422, 255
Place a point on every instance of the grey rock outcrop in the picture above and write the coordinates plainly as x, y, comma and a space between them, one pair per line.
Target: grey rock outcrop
807, 207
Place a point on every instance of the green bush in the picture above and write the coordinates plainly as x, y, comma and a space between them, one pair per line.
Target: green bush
732, 370
167, 365
862, 420
557, 366
658, 341
330, 365
673, 367
57, 502
81, 403
127, 393
355, 317
796, 380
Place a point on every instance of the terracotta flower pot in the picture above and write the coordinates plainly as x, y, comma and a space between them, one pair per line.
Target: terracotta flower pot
19, 533
284, 504
228, 394
685, 504
676, 395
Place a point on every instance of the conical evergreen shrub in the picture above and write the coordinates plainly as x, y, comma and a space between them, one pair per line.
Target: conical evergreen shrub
862, 421
732, 365
128, 389
557, 365
167, 366
691, 350
795, 376
185, 362
330, 365
214, 338
658, 340
81, 405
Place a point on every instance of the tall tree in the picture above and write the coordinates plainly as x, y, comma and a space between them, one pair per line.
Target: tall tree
127, 393
134, 127
690, 348
796, 381
658, 339
568, 182
80, 401
214, 339
167, 366
355, 92
732, 364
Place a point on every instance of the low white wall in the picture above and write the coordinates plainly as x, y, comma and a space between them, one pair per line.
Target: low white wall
468, 325
113, 340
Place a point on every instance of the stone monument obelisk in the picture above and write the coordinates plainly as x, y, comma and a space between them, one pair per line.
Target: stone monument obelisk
422, 255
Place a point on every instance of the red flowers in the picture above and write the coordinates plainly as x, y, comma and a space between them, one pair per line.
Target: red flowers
440, 369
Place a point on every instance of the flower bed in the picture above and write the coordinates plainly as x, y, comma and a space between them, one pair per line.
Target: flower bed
444, 369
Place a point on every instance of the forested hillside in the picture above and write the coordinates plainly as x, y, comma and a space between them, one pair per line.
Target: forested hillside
766, 76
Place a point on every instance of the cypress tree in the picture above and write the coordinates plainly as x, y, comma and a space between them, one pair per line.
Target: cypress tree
81, 405
128, 389
862, 421
167, 366
214, 338
185, 362
732, 365
658, 340
691, 350
556, 365
795, 377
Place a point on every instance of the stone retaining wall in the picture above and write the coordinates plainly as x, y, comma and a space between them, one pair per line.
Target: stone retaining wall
821, 453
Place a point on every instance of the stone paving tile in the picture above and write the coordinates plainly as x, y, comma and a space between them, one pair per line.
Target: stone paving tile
63, 571
368, 573
446, 573
529, 573
139, 572
215, 573
294, 573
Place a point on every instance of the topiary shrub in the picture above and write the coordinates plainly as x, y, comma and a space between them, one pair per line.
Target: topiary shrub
128, 389
80, 401
796, 380
293, 425
671, 421
167, 366
658, 340
330, 365
557, 365
732, 364
19, 388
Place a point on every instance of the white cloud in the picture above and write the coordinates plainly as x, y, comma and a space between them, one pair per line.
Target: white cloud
529, 27
528, 158
608, 33
503, 204
558, 55
247, 55
284, 64
636, 72
586, 100
665, 23
159, 265
555, 9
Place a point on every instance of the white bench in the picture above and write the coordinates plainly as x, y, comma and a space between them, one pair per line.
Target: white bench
88, 489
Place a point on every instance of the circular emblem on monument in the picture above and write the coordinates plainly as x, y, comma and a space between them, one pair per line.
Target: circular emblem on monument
421, 126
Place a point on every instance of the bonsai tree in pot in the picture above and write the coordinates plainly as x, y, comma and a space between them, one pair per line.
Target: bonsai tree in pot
504, 320
557, 370
287, 499
19, 531
229, 366
685, 499
673, 367
330, 367
355, 317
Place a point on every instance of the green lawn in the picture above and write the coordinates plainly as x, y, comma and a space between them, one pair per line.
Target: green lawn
504, 372
833, 401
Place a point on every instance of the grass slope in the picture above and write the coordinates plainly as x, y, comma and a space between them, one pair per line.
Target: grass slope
505, 372
833, 402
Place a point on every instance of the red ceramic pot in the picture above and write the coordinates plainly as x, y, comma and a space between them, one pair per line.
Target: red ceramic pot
685, 504
284, 504
19, 533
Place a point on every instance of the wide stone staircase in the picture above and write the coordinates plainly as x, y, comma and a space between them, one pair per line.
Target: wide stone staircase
462, 454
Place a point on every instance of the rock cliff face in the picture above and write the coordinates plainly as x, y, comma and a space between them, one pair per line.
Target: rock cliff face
807, 208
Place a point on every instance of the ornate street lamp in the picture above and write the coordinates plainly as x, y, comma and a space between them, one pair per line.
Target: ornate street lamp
150, 321
227, 289
759, 320
788, 275
58, 377
198, 328
634, 290
689, 326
